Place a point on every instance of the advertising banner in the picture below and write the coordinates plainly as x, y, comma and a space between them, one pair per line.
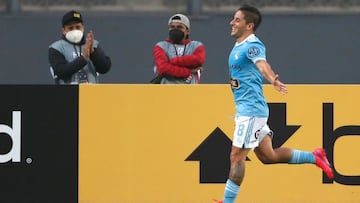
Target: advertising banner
171, 144
38, 144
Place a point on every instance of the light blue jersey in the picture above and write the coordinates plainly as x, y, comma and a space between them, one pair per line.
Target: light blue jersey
246, 79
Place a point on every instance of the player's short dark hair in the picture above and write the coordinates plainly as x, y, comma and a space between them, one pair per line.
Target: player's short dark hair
252, 15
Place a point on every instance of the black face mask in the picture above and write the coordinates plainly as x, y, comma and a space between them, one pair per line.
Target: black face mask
176, 35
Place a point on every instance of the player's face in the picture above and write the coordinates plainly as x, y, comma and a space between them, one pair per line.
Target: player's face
238, 25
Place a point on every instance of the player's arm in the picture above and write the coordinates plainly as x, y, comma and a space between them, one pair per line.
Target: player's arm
266, 70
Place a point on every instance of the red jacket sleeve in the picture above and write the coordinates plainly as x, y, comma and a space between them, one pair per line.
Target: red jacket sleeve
164, 67
194, 60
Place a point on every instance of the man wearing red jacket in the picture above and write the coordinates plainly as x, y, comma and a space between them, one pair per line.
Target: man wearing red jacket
178, 59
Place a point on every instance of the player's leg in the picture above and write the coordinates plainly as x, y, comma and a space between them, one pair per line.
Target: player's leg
268, 155
237, 164
236, 174
244, 140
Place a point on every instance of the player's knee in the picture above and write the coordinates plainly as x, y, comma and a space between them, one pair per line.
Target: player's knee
236, 157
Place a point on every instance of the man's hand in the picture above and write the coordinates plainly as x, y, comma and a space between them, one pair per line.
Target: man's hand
195, 70
90, 37
88, 47
279, 86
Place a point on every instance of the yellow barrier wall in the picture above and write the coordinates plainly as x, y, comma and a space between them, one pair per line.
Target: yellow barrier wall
134, 140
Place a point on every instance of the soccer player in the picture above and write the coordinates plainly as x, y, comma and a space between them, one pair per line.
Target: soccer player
248, 66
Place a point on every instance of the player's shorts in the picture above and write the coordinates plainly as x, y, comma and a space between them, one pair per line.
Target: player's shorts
249, 131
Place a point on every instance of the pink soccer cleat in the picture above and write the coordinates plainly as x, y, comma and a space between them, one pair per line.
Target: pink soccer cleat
322, 162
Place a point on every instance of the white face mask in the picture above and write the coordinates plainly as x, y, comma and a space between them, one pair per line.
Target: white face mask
74, 36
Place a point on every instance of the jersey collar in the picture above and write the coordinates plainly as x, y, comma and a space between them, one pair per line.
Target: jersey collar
251, 36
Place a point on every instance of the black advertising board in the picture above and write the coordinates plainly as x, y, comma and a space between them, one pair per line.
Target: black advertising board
39, 144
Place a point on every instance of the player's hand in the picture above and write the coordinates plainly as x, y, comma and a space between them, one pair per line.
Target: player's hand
281, 87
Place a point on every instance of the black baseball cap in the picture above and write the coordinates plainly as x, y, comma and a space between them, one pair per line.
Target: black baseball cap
71, 16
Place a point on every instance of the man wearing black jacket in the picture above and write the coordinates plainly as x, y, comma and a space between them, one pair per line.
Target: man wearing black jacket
76, 58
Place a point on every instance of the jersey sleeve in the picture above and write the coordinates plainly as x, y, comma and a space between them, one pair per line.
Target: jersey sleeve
256, 51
